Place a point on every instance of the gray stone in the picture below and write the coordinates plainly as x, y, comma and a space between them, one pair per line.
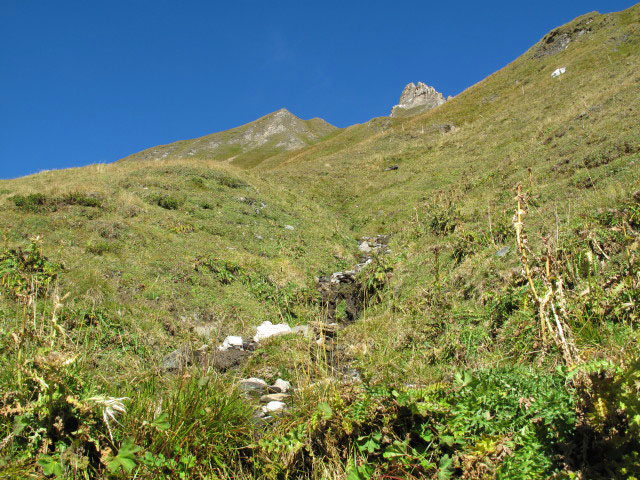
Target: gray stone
177, 360
283, 385
364, 247
289, 227
417, 98
253, 386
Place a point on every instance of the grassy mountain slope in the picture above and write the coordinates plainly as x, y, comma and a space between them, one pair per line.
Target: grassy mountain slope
482, 354
247, 145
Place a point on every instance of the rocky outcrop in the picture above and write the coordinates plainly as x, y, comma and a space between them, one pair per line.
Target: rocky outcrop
417, 99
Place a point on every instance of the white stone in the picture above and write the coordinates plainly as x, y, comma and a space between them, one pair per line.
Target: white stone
273, 407
283, 385
268, 329
230, 342
558, 72
289, 227
364, 247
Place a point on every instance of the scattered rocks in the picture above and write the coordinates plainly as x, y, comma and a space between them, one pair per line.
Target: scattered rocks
289, 227
268, 329
559, 71
377, 244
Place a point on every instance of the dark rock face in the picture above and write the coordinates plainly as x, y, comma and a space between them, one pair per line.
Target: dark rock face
559, 39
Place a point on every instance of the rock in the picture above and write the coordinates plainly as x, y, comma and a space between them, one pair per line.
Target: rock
268, 329
364, 247
289, 227
274, 397
253, 386
391, 168
283, 385
249, 345
559, 71
274, 407
417, 98
227, 359
230, 342
177, 360
503, 251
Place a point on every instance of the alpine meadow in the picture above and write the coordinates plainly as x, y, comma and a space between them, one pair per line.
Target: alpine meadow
452, 291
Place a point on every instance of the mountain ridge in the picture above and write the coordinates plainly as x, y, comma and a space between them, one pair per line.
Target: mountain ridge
245, 145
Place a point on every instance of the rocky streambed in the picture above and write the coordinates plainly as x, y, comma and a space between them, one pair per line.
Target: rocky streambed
339, 287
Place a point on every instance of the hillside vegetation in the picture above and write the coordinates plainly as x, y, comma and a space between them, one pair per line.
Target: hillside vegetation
495, 336
248, 145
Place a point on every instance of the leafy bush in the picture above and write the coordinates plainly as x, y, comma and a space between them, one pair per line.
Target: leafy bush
33, 202
77, 198
167, 202
25, 272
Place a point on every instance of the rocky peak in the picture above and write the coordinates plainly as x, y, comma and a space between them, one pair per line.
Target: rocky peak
414, 96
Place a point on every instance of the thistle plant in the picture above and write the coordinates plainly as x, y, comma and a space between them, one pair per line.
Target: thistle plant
111, 408
550, 301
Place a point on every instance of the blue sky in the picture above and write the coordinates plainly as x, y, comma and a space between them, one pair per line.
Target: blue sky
86, 82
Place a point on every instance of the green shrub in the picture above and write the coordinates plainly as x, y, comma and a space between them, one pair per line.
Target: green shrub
25, 272
167, 202
77, 198
33, 202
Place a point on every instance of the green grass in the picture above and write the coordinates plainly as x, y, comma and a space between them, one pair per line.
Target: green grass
135, 258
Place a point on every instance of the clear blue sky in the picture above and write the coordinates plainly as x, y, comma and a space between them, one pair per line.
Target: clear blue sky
84, 81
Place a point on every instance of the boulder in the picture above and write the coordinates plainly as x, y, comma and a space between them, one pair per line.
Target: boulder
274, 407
283, 385
177, 360
268, 329
253, 386
223, 360
230, 342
